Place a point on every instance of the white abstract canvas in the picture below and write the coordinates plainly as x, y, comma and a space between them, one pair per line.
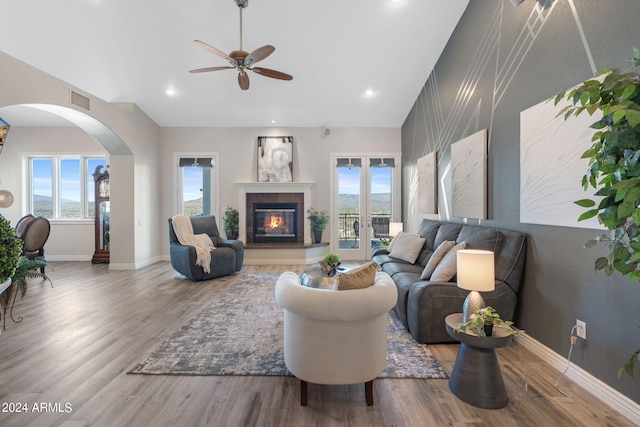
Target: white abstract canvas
427, 184
275, 159
551, 167
469, 176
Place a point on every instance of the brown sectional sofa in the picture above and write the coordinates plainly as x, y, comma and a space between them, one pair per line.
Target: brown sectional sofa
423, 305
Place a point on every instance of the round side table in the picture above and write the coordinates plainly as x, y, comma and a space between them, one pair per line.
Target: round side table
476, 377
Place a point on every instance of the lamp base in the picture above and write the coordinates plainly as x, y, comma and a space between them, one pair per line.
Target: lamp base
472, 303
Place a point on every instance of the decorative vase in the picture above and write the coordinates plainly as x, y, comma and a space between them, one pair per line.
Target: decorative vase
317, 236
488, 329
231, 235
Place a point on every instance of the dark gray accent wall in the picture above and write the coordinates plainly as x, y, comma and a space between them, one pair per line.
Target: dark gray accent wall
491, 70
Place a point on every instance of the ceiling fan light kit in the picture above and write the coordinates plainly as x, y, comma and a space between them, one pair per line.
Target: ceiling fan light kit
242, 60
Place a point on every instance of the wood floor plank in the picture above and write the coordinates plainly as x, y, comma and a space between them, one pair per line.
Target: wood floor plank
78, 340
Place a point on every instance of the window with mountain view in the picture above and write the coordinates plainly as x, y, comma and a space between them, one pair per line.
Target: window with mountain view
61, 187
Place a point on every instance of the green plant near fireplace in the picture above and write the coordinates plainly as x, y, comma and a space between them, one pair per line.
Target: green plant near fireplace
318, 220
231, 222
614, 168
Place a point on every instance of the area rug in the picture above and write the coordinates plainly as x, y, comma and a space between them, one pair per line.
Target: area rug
241, 333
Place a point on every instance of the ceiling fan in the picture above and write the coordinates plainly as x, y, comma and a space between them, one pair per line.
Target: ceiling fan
242, 60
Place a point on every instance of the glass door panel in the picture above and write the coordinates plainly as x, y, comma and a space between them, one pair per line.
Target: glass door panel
350, 206
367, 199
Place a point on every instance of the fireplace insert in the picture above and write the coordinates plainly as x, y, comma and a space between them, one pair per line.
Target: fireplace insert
275, 223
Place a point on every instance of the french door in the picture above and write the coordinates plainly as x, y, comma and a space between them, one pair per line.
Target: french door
366, 198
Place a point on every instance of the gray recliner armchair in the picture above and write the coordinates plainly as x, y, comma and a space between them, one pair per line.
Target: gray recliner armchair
226, 258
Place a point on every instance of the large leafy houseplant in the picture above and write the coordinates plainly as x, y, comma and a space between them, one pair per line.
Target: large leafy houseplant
10, 250
614, 168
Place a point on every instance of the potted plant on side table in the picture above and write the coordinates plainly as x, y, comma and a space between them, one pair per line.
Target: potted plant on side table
319, 220
330, 263
482, 322
231, 222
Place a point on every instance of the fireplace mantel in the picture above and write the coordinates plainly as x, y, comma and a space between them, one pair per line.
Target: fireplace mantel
272, 187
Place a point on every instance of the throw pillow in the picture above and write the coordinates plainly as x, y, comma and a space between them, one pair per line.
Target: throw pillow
394, 241
447, 268
358, 278
435, 259
408, 247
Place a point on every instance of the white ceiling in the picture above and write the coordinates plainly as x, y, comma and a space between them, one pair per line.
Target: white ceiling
133, 50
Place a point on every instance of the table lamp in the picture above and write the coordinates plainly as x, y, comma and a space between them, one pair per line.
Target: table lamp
476, 273
395, 228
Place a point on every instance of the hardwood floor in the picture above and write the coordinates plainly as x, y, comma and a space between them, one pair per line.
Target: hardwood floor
66, 363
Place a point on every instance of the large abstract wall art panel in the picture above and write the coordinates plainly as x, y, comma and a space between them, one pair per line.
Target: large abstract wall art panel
427, 184
551, 167
469, 176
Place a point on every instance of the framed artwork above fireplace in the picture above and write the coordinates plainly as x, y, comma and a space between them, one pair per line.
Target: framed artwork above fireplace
275, 159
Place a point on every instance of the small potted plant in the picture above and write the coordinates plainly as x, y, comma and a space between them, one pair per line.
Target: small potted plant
330, 263
319, 220
231, 222
482, 322
10, 252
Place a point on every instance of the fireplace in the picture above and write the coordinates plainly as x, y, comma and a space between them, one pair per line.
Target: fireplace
274, 219
275, 222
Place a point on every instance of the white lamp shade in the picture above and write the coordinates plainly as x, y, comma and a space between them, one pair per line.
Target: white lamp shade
476, 270
395, 228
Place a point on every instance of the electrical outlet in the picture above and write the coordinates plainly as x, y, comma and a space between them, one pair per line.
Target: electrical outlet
581, 329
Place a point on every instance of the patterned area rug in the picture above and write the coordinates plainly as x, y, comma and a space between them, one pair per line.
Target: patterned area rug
241, 333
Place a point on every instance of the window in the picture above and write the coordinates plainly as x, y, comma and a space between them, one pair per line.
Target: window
61, 187
196, 179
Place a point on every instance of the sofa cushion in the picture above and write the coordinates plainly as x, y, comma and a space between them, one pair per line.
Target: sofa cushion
488, 239
446, 269
448, 231
397, 266
435, 259
358, 278
407, 247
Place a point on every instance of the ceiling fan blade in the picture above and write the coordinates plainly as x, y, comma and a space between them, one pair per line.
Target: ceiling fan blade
206, 69
272, 73
259, 54
213, 50
243, 80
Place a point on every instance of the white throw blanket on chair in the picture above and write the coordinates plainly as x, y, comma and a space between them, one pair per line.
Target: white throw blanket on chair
201, 242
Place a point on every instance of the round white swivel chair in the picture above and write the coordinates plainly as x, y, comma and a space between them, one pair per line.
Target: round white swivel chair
335, 337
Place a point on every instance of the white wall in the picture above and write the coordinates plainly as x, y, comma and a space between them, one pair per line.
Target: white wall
125, 131
237, 148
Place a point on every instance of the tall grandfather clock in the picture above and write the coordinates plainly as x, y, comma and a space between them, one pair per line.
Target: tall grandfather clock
102, 216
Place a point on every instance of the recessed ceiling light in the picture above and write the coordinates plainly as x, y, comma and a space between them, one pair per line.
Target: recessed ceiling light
171, 92
273, 120
396, 1
369, 93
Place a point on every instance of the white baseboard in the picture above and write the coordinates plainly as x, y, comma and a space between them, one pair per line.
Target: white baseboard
593, 385
149, 261
68, 257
